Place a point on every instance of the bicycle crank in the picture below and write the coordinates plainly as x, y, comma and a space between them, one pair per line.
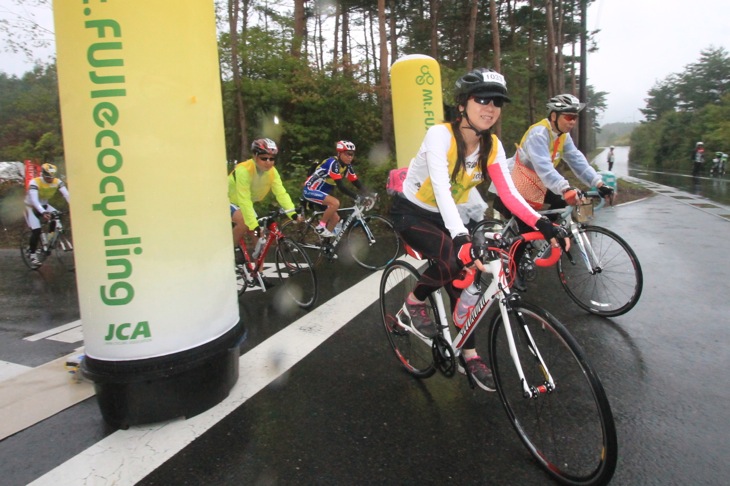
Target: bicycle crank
443, 356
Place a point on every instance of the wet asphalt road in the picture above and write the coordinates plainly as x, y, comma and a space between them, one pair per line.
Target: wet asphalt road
347, 413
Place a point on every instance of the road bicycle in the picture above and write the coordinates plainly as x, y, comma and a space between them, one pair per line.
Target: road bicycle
370, 240
552, 396
601, 273
56, 242
292, 265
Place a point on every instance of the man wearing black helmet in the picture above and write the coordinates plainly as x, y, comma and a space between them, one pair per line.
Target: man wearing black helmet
452, 160
543, 146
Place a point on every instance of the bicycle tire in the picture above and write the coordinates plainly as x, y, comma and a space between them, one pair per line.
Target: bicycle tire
381, 251
25, 250
616, 287
241, 283
64, 252
570, 431
415, 355
296, 272
306, 236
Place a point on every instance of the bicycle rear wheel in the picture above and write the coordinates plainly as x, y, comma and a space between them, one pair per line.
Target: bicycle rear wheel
606, 280
296, 272
398, 280
304, 234
570, 430
373, 244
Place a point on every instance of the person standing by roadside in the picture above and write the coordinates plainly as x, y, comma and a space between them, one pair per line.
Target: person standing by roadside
698, 158
611, 158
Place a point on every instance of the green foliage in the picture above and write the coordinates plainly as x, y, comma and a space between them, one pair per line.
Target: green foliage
683, 109
30, 119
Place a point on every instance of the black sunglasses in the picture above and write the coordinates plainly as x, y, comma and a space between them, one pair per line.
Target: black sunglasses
268, 159
498, 102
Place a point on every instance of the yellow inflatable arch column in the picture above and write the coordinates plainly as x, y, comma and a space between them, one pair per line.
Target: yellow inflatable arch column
145, 153
415, 82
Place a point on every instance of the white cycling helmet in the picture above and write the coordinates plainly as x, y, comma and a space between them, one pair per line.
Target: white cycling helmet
564, 103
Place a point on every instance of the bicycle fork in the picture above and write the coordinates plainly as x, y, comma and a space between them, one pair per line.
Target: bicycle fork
586, 253
528, 390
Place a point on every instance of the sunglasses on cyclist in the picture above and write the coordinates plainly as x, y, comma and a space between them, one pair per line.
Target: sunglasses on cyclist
570, 116
498, 102
268, 159
350, 154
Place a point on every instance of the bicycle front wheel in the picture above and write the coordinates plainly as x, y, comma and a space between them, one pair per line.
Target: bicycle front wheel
568, 429
606, 279
398, 280
373, 242
304, 234
64, 252
296, 272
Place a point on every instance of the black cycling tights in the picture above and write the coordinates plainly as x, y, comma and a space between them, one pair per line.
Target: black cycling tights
430, 238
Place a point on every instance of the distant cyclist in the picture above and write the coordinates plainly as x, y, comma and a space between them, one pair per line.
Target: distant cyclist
40, 191
249, 182
611, 158
698, 158
319, 185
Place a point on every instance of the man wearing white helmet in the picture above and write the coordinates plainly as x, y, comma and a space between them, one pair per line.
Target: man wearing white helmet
543, 146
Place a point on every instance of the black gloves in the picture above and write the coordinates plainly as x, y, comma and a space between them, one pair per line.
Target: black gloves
605, 191
547, 228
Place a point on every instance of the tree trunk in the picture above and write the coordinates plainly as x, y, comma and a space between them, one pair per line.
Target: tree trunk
300, 28
471, 34
531, 89
550, 52
434, 6
393, 32
385, 106
241, 128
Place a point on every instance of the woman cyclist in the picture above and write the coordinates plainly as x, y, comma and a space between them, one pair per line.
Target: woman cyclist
453, 159
40, 190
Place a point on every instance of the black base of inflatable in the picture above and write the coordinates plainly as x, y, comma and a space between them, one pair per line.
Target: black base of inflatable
178, 385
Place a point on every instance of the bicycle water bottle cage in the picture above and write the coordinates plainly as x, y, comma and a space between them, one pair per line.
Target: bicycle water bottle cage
465, 278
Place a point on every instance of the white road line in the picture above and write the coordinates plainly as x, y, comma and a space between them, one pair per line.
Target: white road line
127, 456
54, 331
10, 370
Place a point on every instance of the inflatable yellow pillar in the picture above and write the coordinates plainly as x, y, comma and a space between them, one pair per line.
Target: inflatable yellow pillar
145, 155
417, 102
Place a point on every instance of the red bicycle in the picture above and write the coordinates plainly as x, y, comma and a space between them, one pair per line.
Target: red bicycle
291, 264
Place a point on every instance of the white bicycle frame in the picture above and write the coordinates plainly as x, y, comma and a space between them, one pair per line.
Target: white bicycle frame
356, 214
498, 290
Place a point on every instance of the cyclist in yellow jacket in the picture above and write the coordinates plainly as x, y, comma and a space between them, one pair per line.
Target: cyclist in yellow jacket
40, 190
249, 182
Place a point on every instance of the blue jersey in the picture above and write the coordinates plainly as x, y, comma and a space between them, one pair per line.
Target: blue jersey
324, 176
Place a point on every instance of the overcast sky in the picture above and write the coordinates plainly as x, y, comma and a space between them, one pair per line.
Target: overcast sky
640, 42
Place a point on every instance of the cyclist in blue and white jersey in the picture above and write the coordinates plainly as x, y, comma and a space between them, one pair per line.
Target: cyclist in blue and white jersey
328, 174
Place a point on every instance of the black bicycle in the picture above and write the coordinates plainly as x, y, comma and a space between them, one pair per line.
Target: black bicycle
56, 242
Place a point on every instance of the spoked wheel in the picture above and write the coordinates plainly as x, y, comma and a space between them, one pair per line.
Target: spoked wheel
25, 250
375, 245
296, 272
64, 252
241, 283
398, 280
304, 234
605, 278
570, 429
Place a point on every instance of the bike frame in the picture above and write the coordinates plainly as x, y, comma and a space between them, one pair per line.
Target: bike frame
497, 291
253, 269
356, 214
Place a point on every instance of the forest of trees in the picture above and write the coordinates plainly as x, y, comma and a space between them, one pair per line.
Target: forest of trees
322, 69
683, 109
